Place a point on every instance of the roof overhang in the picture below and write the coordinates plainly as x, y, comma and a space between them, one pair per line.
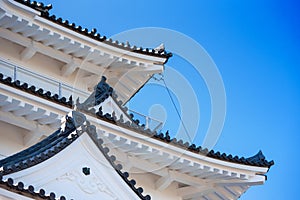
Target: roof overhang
169, 162
126, 69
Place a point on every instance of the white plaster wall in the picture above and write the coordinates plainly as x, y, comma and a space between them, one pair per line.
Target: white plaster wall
147, 182
7, 195
63, 175
11, 139
43, 65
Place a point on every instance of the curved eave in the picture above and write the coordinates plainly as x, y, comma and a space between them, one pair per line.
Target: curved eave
156, 146
87, 37
14, 190
144, 137
126, 68
167, 159
56, 143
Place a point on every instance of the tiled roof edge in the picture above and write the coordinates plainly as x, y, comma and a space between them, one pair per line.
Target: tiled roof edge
91, 130
258, 161
93, 33
36, 154
29, 191
36, 91
36, 5
56, 142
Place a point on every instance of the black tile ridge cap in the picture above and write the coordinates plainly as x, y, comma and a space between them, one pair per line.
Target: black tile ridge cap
31, 89
37, 91
91, 131
93, 33
134, 125
27, 153
36, 5
256, 160
46, 148
39, 152
30, 192
125, 110
96, 36
53, 144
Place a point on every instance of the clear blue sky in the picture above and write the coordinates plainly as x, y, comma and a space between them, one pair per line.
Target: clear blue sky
255, 45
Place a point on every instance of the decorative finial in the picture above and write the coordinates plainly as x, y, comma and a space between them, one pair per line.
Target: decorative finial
160, 48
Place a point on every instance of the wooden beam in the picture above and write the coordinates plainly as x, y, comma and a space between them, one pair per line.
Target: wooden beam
254, 180
163, 182
17, 121
34, 115
14, 105
5, 21
8, 22
25, 110
192, 192
32, 137
190, 168
152, 153
30, 31
179, 164
188, 180
19, 26
41, 35
51, 118
90, 80
227, 194
51, 39
28, 53
161, 156
147, 166
73, 47
129, 146
62, 43
68, 68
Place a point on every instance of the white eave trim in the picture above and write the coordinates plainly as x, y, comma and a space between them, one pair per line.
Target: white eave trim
26, 8
135, 137
94, 43
86, 41
171, 149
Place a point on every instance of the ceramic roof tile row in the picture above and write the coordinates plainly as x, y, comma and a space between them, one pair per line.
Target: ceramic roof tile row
56, 142
29, 191
36, 153
36, 91
91, 130
256, 160
92, 33
36, 5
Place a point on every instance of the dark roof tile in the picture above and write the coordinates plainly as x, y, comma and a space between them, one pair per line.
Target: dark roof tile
257, 160
55, 143
29, 191
38, 92
36, 5
93, 33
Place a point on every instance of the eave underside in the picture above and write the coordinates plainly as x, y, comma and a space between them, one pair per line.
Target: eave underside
126, 70
168, 163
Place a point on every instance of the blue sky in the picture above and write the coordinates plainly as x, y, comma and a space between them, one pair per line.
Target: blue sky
256, 48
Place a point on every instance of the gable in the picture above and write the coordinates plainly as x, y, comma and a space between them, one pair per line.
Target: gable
63, 174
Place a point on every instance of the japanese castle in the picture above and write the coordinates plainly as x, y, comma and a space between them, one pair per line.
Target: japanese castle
67, 134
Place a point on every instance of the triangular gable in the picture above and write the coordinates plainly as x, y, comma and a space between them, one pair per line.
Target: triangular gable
74, 164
